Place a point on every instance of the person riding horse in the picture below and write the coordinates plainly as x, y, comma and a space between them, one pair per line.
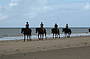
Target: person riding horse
27, 32
41, 32
27, 25
55, 31
67, 31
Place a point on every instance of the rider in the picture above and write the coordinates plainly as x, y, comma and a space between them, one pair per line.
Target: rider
56, 26
41, 24
66, 25
27, 25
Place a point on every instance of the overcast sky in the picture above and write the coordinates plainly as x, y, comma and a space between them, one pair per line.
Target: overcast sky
14, 13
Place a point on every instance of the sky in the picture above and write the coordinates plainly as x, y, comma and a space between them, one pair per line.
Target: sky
15, 13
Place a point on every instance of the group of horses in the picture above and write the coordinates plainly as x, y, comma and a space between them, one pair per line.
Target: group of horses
41, 32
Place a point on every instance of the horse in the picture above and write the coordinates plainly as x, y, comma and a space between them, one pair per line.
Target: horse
27, 33
89, 29
41, 32
55, 32
67, 32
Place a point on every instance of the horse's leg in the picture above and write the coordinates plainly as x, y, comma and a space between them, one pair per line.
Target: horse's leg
68, 36
27, 37
41, 37
30, 37
65, 35
38, 36
53, 35
45, 36
24, 37
56, 35
59, 35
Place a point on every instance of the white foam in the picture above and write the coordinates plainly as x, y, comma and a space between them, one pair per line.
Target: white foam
48, 36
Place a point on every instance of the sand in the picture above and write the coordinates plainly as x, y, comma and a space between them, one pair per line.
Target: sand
63, 48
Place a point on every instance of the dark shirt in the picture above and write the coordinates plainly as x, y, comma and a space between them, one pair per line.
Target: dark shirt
27, 25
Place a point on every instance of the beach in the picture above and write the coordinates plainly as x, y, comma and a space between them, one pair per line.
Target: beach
70, 48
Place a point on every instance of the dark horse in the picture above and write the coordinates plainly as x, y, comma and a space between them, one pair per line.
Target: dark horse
27, 33
89, 29
55, 31
41, 32
67, 32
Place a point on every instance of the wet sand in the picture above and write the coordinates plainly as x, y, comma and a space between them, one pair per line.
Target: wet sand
63, 48
69, 53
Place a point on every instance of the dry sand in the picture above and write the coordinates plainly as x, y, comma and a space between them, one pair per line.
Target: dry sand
63, 48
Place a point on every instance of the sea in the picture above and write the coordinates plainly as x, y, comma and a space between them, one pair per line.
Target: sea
15, 33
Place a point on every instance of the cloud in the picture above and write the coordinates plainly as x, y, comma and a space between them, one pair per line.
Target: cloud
1, 7
87, 6
3, 17
37, 10
13, 4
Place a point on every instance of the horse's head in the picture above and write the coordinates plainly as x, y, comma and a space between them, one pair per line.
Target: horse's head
22, 30
37, 30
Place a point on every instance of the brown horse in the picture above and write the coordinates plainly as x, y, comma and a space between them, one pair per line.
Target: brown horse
55, 31
67, 32
41, 32
89, 29
27, 33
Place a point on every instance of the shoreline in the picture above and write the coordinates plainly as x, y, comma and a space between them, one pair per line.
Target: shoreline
48, 36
